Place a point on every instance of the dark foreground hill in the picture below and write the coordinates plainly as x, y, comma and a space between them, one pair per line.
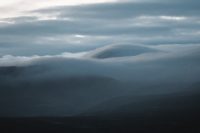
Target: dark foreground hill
165, 114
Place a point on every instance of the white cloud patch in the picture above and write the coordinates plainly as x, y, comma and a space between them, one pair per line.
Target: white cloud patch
176, 18
10, 60
19, 7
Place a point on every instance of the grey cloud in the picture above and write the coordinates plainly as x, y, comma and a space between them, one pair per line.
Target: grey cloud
85, 25
62, 86
45, 28
35, 30
119, 22
129, 9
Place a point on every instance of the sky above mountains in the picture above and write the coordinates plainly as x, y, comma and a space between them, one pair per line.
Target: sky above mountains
55, 27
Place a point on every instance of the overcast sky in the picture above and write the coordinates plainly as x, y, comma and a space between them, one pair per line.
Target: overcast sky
48, 27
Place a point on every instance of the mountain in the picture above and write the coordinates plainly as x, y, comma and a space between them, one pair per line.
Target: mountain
169, 106
113, 51
24, 95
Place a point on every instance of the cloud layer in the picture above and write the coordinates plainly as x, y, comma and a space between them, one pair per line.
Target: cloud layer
66, 60
85, 27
